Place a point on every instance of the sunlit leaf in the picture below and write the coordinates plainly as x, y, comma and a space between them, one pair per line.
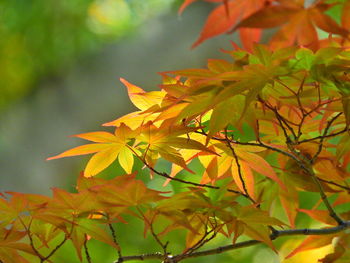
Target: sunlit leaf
312, 242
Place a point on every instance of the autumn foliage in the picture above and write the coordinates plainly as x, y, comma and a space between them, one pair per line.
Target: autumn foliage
265, 126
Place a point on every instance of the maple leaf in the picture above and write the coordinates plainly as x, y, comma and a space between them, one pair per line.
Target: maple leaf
107, 148
298, 24
165, 139
224, 17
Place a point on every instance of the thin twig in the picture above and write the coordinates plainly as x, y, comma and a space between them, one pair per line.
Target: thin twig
335, 184
165, 175
228, 142
87, 254
320, 145
325, 136
56, 248
114, 237
155, 236
31, 241
324, 198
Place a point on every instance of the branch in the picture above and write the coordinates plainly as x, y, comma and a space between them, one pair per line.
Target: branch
323, 136
276, 234
141, 257
320, 146
324, 198
165, 175
87, 254
228, 142
114, 236
56, 248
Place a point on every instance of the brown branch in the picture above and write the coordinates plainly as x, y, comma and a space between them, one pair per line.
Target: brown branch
228, 142
155, 236
335, 184
141, 257
277, 233
324, 198
260, 144
282, 121
55, 249
320, 146
87, 254
114, 237
165, 175
325, 136
31, 241
205, 239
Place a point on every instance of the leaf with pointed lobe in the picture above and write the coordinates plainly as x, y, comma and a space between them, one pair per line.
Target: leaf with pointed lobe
184, 5
106, 150
82, 150
172, 155
78, 239
238, 230
98, 137
342, 198
11, 241
188, 156
259, 232
133, 120
290, 200
101, 160
12, 255
227, 111
320, 215
327, 169
117, 195
211, 171
141, 99
252, 215
65, 204
176, 90
307, 35
218, 22
193, 73
247, 177
89, 227
249, 36
326, 23
170, 111
345, 18
261, 166
45, 232
305, 58
338, 253
219, 66
312, 242
126, 159
268, 17
198, 223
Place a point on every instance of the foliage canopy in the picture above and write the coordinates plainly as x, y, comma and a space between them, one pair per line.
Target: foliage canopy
266, 126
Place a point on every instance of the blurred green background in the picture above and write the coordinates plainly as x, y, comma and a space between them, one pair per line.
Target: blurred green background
60, 64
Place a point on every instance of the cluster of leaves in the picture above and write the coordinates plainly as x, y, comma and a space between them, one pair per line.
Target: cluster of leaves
266, 126
296, 23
